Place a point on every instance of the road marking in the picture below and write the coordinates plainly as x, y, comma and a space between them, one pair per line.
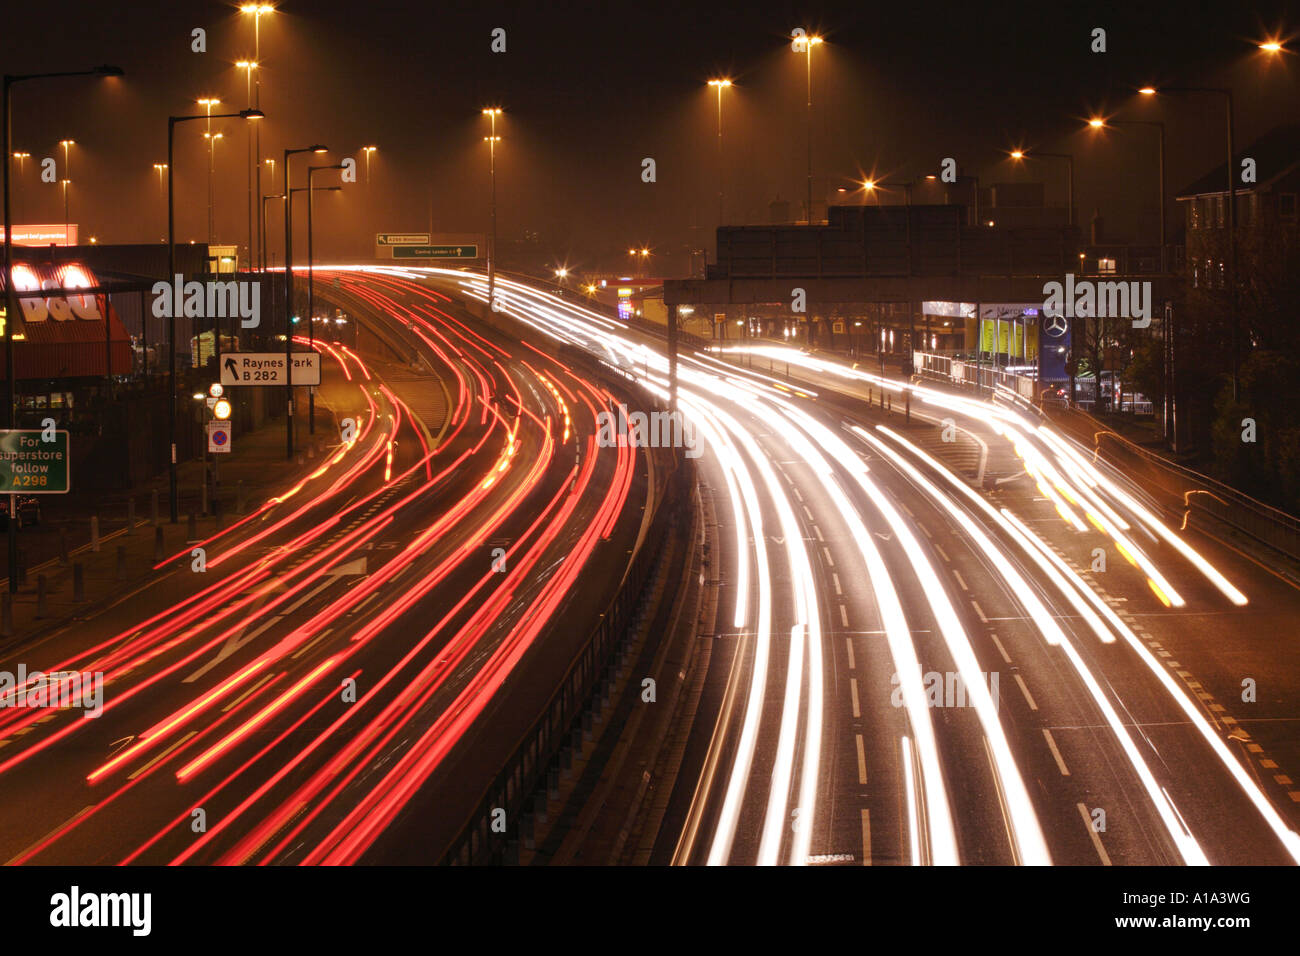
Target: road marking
926, 531
818, 532
848, 642
1025, 690
1060, 762
960, 580
866, 837
979, 610
312, 643
862, 760
162, 755
235, 703
1001, 650
942, 553
830, 562
835, 580
808, 513
844, 616
795, 489
53, 833
1096, 840
853, 690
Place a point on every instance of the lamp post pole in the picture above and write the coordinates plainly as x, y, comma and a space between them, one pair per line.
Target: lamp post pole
288, 294
311, 309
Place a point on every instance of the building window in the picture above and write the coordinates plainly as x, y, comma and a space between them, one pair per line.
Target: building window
1286, 206
1105, 265
1218, 212
1194, 214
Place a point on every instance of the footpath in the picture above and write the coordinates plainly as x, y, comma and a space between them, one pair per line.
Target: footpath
93, 548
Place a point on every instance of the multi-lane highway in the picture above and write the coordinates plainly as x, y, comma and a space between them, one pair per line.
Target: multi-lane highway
350, 640
952, 637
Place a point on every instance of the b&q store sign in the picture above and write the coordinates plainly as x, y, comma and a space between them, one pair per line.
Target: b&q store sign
63, 336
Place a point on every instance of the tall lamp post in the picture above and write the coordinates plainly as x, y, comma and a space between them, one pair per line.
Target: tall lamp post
261, 242
311, 260
207, 103
492, 113
1101, 124
248, 66
1232, 205
720, 85
11, 300
288, 294
258, 10
171, 275
804, 44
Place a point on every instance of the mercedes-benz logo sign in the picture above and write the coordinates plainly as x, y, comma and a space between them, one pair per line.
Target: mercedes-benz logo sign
1054, 325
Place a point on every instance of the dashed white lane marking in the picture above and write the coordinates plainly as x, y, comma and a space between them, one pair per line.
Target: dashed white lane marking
1001, 650
853, 692
1051, 745
848, 642
795, 489
844, 616
942, 553
1025, 690
835, 580
830, 562
979, 610
862, 760
808, 513
1096, 840
926, 531
960, 580
818, 532
866, 837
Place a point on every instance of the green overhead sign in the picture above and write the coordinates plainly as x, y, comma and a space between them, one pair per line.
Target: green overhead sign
466, 251
29, 465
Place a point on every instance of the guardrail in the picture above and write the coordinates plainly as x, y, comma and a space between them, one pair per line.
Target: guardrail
965, 372
538, 749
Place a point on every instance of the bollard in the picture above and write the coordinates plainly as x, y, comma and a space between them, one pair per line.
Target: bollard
41, 609
78, 582
63, 545
153, 507
121, 562
94, 533
7, 614
159, 548
130, 515
192, 528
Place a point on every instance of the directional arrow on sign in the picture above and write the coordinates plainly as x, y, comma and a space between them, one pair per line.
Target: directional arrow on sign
231, 367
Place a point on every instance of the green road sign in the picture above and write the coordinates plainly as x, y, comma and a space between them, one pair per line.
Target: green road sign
467, 251
29, 465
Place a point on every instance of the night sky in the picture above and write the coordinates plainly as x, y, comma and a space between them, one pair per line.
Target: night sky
590, 90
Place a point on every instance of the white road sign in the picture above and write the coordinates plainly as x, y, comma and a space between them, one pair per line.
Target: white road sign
267, 368
219, 438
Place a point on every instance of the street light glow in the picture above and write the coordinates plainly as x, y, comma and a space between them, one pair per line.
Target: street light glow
1148, 91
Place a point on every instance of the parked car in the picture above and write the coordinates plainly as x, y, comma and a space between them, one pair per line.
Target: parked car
27, 506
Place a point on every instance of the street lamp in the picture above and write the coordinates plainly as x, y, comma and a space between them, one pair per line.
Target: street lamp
311, 310
807, 43
248, 66
288, 293
492, 112
1020, 155
11, 300
161, 169
258, 10
67, 239
67, 179
171, 274
720, 85
1098, 123
368, 150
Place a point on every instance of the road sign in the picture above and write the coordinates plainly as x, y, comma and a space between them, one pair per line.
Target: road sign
402, 239
267, 368
467, 251
29, 465
219, 438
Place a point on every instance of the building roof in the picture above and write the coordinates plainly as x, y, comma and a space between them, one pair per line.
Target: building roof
1276, 154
